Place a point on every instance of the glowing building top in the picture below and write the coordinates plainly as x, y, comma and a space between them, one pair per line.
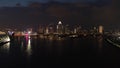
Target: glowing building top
60, 28
59, 22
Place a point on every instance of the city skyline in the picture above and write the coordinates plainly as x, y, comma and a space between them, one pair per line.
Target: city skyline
59, 33
85, 14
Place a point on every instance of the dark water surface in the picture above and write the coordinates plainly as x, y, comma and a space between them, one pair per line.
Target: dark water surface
61, 53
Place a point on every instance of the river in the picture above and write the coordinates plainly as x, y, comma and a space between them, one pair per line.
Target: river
67, 52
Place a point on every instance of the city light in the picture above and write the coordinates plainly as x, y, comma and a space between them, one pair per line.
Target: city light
29, 32
59, 33
29, 50
60, 30
59, 22
8, 39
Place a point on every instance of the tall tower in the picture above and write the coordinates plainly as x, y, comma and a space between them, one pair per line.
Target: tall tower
67, 29
41, 29
46, 30
60, 28
101, 29
50, 28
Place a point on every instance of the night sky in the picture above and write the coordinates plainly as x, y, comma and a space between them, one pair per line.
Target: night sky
92, 13
25, 2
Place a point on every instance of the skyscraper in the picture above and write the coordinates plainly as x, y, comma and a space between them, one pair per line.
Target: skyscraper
41, 29
67, 29
77, 29
51, 28
101, 29
60, 28
46, 30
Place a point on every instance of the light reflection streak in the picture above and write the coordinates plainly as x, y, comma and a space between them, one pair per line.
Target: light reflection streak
28, 48
22, 45
60, 39
100, 43
5, 48
60, 48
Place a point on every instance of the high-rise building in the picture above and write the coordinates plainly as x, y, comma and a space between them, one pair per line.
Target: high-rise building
60, 28
51, 28
67, 29
46, 30
101, 29
41, 29
77, 29
95, 30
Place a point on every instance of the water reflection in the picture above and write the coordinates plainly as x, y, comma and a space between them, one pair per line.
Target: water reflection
33, 50
100, 44
28, 48
60, 47
5, 48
